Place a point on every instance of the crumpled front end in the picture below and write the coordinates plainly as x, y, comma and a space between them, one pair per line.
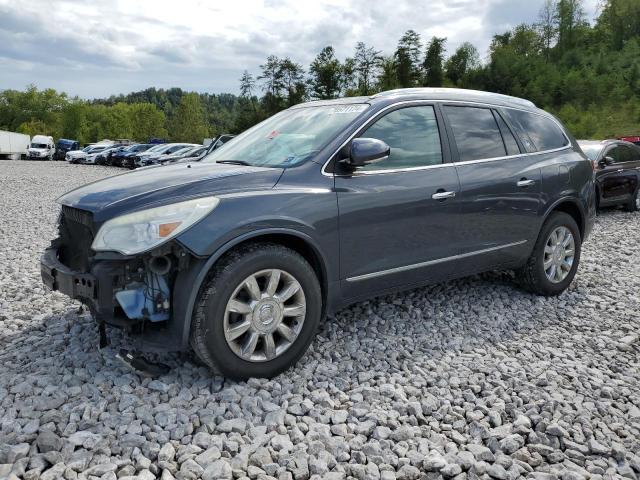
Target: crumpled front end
131, 292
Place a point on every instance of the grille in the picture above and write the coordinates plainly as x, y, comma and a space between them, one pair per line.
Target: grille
76, 237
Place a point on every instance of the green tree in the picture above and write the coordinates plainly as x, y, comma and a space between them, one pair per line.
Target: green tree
366, 65
326, 75
387, 78
433, 60
464, 59
247, 84
407, 59
188, 123
147, 122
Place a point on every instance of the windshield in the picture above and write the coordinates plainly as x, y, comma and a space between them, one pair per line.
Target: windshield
288, 138
38, 145
157, 148
591, 151
139, 148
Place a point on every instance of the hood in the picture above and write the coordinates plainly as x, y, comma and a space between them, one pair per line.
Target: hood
76, 153
37, 150
161, 185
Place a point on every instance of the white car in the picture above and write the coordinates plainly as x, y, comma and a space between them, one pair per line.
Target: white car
41, 148
79, 156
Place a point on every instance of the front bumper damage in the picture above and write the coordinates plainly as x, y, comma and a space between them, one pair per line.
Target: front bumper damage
133, 293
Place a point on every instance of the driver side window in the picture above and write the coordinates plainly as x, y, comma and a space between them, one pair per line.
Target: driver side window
413, 136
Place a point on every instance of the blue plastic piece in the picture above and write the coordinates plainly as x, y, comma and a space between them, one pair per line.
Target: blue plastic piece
135, 301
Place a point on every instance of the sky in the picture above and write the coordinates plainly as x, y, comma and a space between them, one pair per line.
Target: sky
94, 49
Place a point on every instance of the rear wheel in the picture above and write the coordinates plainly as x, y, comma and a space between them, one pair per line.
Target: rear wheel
554, 261
258, 312
634, 203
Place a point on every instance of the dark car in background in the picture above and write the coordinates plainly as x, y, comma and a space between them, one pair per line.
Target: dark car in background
119, 159
241, 255
617, 167
63, 146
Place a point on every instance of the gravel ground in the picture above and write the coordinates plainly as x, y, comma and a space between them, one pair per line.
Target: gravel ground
469, 379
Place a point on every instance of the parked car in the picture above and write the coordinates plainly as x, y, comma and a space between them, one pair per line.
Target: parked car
80, 156
635, 139
237, 255
104, 157
617, 167
154, 156
13, 145
92, 157
187, 154
63, 146
219, 141
41, 148
118, 157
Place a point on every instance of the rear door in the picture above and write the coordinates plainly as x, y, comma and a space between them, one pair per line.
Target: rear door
500, 187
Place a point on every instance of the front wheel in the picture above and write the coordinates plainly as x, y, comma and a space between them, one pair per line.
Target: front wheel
258, 313
634, 203
554, 261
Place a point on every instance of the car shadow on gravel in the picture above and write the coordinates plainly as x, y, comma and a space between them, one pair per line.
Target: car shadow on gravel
416, 325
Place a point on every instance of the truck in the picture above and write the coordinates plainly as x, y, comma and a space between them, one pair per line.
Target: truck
13, 145
41, 148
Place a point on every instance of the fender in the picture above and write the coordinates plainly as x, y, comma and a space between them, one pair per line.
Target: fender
574, 201
193, 279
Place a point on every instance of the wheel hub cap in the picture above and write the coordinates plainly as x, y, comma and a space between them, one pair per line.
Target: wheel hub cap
559, 252
264, 315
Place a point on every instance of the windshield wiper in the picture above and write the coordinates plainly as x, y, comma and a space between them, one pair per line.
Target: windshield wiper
235, 162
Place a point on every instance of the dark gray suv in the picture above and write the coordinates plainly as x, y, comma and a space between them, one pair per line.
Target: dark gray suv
241, 255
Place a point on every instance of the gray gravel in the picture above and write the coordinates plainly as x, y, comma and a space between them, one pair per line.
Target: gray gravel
469, 379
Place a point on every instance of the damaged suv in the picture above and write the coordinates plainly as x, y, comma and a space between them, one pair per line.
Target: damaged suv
241, 255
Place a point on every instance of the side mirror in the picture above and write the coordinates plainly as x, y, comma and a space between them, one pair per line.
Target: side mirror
364, 151
606, 161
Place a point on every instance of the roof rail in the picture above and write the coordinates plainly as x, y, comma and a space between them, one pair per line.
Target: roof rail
453, 91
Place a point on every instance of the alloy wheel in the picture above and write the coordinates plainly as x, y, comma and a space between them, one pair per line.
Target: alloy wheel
264, 315
559, 252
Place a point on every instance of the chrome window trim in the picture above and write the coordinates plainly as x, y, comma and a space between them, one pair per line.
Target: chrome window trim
405, 268
449, 164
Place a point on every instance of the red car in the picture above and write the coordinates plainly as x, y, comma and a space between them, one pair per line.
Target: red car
633, 139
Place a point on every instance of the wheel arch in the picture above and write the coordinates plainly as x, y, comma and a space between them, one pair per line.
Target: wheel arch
195, 278
571, 207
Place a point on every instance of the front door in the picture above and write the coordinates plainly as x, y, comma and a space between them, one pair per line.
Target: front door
398, 217
618, 181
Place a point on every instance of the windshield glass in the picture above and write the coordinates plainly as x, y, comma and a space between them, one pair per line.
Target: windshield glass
157, 147
38, 145
288, 138
591, 151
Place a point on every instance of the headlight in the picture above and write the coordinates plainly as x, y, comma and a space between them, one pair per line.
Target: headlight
140, 231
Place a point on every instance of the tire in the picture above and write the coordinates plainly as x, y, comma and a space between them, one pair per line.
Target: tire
634, 203
533, 277
212, 316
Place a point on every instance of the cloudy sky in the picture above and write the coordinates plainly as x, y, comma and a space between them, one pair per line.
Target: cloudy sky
103, 47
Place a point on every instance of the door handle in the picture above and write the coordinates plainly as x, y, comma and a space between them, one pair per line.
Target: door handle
620, 170
443, 195
525, 183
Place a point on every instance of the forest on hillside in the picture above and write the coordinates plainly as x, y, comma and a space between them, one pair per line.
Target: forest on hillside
586, 74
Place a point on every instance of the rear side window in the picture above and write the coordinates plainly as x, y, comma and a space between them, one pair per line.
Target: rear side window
542, 131
476, 133
413, 135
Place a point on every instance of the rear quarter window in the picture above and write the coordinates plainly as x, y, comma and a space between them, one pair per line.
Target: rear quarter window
543, 132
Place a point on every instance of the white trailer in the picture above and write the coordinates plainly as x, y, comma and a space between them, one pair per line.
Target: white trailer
13, 145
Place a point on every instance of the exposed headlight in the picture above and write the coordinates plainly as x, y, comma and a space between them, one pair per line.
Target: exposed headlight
140, 231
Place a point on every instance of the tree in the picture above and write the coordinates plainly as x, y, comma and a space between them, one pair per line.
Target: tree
433, 62
388, 78
569, 16
292, 75
272, 84
547, 26
407, 58
247, 84
367, 63
74, 121
147, 122
326, 75
188, 123
464, 59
